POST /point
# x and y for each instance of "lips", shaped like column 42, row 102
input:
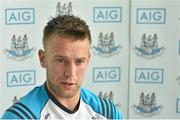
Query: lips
column 67, row 83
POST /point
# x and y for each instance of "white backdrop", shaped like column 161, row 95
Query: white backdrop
column 138, row 69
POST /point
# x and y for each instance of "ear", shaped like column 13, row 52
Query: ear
column 89, row 56
column 42, row 59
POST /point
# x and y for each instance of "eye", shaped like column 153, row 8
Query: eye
column 62, row 61
column 80, row 61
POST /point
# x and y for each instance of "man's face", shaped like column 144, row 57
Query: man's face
column 65, row 62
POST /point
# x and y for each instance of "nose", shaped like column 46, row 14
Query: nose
column 70, row 70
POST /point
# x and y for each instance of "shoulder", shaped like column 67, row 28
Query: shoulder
column 29, row 106
column 104, row 107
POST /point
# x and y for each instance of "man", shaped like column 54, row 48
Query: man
column 66, row 55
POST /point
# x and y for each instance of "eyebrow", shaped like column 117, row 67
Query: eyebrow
column 64, row 57
column 60, row 56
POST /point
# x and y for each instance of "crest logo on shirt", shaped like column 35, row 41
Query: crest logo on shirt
column 106, row 45
column 15, row 99
column 149, row 47
column 93, row 118
column 20, row 49
column 109, row 96
column 46, row 116
column 63, row 9
column 147, row 106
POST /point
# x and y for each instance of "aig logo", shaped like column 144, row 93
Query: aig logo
column 107, row 14
column 20, row 78
column 149, row 75
column 19, row 16
column 178, row 105
column 151, row 16
column 109, row 74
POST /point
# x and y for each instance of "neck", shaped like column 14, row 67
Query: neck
column 70, row 103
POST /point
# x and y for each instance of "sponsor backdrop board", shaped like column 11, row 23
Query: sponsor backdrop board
column 0, row 60
column 135, row 51
column 154, row 89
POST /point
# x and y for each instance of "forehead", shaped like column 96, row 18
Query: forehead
column 64, row 40
column 71, row 39
column 66, row 44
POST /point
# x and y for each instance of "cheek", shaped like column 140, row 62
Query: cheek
column 81, row 71
column 54, row 69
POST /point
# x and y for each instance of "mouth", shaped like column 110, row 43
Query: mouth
column 67, row 83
